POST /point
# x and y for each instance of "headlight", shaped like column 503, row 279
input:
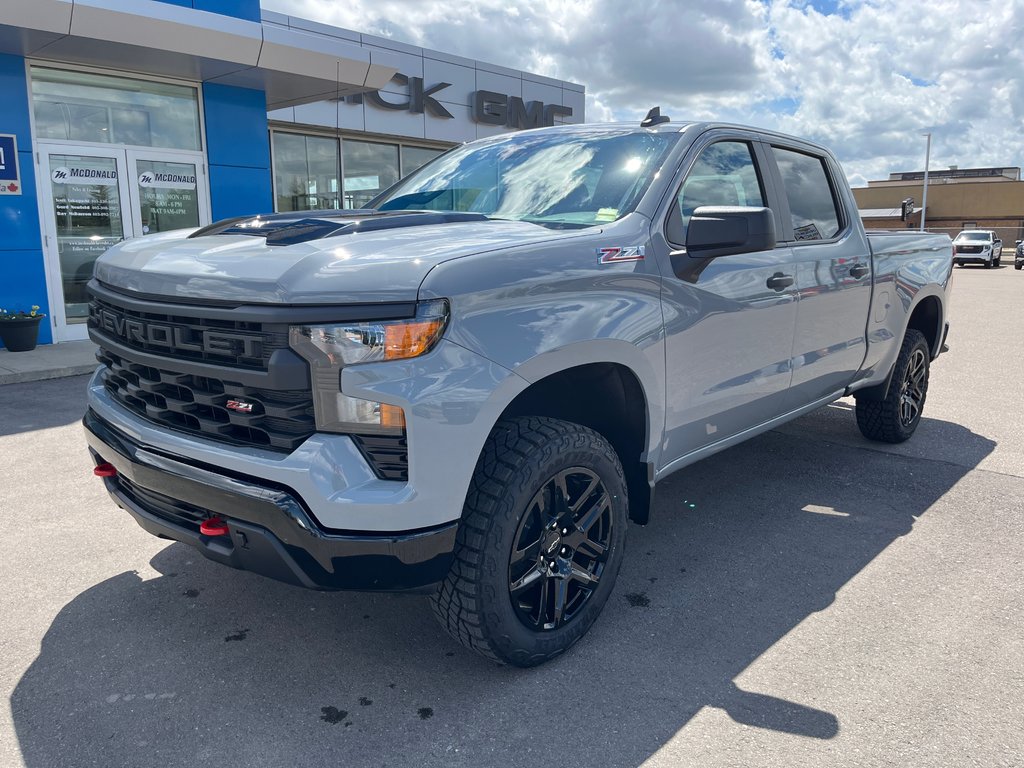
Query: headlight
column 329, row 348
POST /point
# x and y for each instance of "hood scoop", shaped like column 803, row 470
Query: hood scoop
column 300, row 227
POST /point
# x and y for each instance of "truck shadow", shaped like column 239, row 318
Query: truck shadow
column 20, row 411
column 203, row 665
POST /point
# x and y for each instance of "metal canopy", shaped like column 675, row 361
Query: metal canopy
column 155, row 38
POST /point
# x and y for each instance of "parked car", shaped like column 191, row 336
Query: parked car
column 1018, row 259
column 473, row 385
column 978, row 246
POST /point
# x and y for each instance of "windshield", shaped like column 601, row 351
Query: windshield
column 555, row 179
column 974, row 237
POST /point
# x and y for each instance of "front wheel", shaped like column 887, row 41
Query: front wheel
column 894, row 419
column 540, row 542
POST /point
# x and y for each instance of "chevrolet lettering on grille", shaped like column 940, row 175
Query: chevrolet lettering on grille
column 176, row 338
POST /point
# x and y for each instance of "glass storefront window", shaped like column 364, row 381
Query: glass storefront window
column 305, row 172
column 369, row 169
column 82, row 106
column 417, row 157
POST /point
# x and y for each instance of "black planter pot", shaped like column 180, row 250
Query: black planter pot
column 20, row 335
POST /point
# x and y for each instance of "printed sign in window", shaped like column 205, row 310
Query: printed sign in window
column 167, row 196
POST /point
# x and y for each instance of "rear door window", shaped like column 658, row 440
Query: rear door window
column 812, row 203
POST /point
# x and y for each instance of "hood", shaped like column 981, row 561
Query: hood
column 382, row 265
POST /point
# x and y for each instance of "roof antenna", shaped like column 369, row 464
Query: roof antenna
column 654, row 117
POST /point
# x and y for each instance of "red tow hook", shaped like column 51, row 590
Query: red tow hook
column 105, row 470
column 213, row 526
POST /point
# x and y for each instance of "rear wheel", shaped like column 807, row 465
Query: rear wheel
column 540, row 542
column 895, row 418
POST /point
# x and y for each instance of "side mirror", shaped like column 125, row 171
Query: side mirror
column 727, row 230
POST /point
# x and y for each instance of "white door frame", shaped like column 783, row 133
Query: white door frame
column 197, row 159
column 62, row 330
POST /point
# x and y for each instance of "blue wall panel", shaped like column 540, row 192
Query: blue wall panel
column 24, row 284
column 239, row 191
column 22, row 275
column 238, row 150
column 19, row 216
column 14, row 91
column 240, row 9
column 236, row 126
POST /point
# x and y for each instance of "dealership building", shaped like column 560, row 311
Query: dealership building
column 122, row 118
column 958, row 198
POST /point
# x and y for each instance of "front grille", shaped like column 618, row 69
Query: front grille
column 279, row 420
column 969, row 249
column 232, row 343
column 216, row 407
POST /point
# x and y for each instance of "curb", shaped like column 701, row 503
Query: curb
column 20, row 377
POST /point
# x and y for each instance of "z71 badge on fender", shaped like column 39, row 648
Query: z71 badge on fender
column 613, row 254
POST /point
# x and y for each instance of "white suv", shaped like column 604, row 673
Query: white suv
column 978, row 246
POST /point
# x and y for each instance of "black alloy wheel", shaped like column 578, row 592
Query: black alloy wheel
column 541, row 540
column 913, row 388
column 560, row 549
column 894, row 418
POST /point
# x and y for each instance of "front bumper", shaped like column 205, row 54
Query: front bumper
column 973, row 259
column 270, row 531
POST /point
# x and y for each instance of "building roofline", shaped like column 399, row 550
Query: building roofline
column 147, row 37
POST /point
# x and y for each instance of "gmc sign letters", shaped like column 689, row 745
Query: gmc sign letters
column 488, row 107
column 498, row 109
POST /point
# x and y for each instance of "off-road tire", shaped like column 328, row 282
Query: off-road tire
column 474, row 603
column 881, row 420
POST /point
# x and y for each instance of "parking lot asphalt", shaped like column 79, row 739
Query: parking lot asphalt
column 804, row 599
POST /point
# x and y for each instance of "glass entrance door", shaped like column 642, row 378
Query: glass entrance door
column 167, row 191
column 96, row 197
column 87, row 192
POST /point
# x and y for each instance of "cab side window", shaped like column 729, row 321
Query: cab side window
column 724, row 174
column 812, row 203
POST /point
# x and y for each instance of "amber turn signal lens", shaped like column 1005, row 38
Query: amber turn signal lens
column 411, row 339
column 392, row 416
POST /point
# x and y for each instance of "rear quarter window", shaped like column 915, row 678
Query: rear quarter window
column 812, row 202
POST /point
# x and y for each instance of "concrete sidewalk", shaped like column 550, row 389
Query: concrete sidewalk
column 50, row 361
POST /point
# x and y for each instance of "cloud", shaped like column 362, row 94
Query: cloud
column 865, row 77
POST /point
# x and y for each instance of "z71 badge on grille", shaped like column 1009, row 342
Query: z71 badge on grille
column 239, row 405
column 613, row 254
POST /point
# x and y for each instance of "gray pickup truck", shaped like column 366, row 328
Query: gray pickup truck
column 471, row 387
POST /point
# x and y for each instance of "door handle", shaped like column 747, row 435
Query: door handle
column 778, row 281
column 857, row 271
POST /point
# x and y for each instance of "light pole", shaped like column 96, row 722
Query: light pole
column 924, row 197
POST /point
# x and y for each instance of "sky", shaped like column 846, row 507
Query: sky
column 867, row 78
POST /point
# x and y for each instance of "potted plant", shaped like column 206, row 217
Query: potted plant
column 19, row 331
